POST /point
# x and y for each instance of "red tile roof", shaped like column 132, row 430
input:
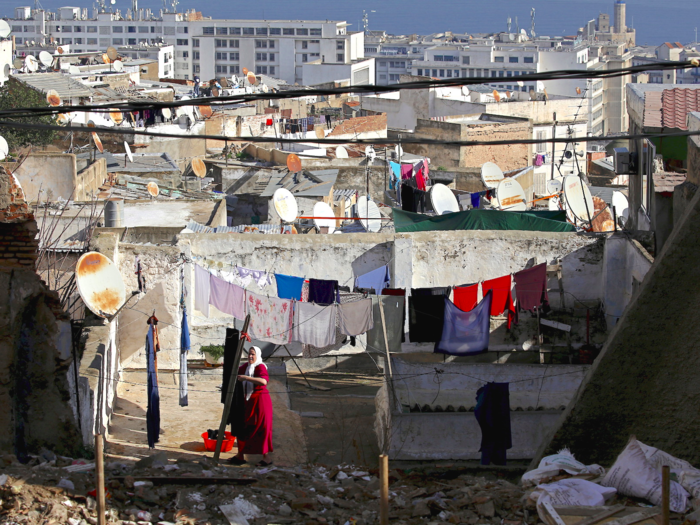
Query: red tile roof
column 676, row 104
column 352, row 103
column 360, row 125
column 652, row 109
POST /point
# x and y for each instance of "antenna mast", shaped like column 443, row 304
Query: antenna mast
column 532, row 27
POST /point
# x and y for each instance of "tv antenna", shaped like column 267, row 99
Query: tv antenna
column 532, row 27
column 365, row 20
column 508, row 23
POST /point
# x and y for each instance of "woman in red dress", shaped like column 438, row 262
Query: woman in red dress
column 257, row 437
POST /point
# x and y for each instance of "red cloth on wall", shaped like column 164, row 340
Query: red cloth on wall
column 465, row 297
column 502, row 298
column 531, row 287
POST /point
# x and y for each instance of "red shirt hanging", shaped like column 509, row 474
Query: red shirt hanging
column 466, row 297
column 502, row 298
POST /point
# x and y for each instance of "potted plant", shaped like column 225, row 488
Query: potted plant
column 213, row 354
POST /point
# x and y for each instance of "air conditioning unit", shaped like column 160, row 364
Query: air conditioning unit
column 621, row 161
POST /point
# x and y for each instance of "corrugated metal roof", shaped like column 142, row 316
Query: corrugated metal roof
column 65, row 86
column 302, row 184
column 603, row 192
column 349, row 193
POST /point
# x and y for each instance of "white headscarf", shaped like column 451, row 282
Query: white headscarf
column 250, row 372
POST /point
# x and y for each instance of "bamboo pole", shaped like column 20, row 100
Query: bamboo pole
column 384, row 490
column 100, row 479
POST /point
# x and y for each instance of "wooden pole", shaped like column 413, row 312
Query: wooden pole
column 100, row 479
column 665, row 494
column 384, row 490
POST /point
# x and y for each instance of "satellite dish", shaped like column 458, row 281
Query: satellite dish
column 510, row 196
column 496, row 96
column 399, row 151
column 443, row 200
column 533, row 95
column 60, row 50
column 100, row 284
column 251, row 78
column 554, row 204
column 285, row 205
column 116, row 116
column 319, row 133
column 167, row 114
column 554, row 186
column 370, row 153
column 199, row 168
column 4, row 148
column 491, row 174
column 62, row 119
column 45, row 58
column 118, row 65
column 265, row 89
column 53, row 98
column 106, row 59
column 621, row 205
column 578, row 90
column 368, row 211
column 5, row 29
column 341, row 153
column 90, row 123
column 321, row 209
column 18, row 63
column 508, row 94
column 579, row 203
column 112, row 53
column 153, row 189
column 31, row 63
column 293, row 163
column 521, row 83
column 98, row 142
column 245, row 70
column 127, row 149
column 205, row 111
column 7, row 70
column 74, row 70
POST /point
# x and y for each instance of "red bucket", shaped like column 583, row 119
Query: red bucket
column 226, row 445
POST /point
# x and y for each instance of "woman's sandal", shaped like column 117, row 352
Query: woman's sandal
column 263, row 463
column 236, row 461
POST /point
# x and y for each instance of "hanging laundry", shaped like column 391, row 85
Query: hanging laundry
column 406, row 171
column 270, row 318
column 531, row 288
column 288, row 286
column 395, row 169
column 426, row 314
column 539, row 160
column 323, row 292
column 220, row 295
column 139, row 275
column 314, row 324
column 476, row 200
column 152, row 394
column 493, row 414
column 420, row 181
column 502, row 297
column 426, row 170
column 394, row 311
column 340, row 339
column 401, row 293
column 201, row 290
column 184, row 350
column 466, row 297
column 305, row 291
column 412, row 199
column 355, row 318
column 268, row 122
column 465, row 333
column 246, row 275
column 376, row 279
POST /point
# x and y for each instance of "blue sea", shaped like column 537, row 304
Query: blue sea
column 654, row 20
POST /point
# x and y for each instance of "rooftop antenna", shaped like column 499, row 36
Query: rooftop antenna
column 517, row 27
column 508, row 23
column 532, row 27
column 365, row 20
column 134, row 7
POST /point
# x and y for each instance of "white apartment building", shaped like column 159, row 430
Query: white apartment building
column 205, row 47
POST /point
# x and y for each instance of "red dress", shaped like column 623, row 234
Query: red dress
column 258, row 416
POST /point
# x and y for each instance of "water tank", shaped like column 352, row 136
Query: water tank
column 114, row 213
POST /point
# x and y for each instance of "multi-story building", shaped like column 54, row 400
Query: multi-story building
column 205, row 47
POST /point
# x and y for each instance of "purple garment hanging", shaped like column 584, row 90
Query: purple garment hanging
column 465, row 333
column 406, row 171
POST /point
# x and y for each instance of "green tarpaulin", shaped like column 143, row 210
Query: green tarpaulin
column 537, row 221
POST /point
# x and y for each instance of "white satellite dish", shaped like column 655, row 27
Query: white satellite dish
column 553, row 204
column 5, row 29
column 7, row 70
column 621, row 205
column 368, row 211
column 31, row 63
column 579, row 203
column 167, row 114
column 100, row 284
column 128, row 151
column 399, row 151
column 118, row 65
column 285, row 205
column 321, row 209
column 491, row 174
column 341, row 153
column 554, row 186
column 74, row 70
column 45, row 58
column 370, row 153
column 4, row 148
column 510, row 196
column 443, row 200
column 265, row 89
column 521, row 83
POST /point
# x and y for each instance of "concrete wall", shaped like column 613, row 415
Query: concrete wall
column 58, row 181
column 89, row 180
column 181, row 150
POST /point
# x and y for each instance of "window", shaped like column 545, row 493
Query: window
column 394, row 78
column 233, row 43
column 196, row 68
column 304, row 44
column 516, row 73
column 501, row 74
column 420, row 72
column 180, row 29
column 456, row 72
column 92, row 41
column 261, row 44
column 248, row 30
column 287, row 31
column 66, row 41
column 513, row 60
column 93, row 29
column 498, row 59
column 222, row 30
column 195, row 55
column 234, row 56
column 66, row 29
column 78, row 29
column 79, row 41
column 261, row 70
column 271, row 44
column 261, row 31
column 449, row 73
column 143, row 29
column 493, row 73
column 466, row 60
column 261, row 57
column 442, row 73
column 208, row 30
column 597, row 100
column 275, row 31
column 221, row 43
column 382, row 77
column 302, row 32
column 235, row 69
column 221, row 56
column 221, row 69
column 16, row 29
column 131, row 29
column 272, row 57
column 272, row 70
column 129, row 41
column 18, row 40
column 340, row 45
column 115, row 29
column 185, row 54
column 340, row 57
column 541, row 146
column 234, row 31
column 529, row 60
column 509, row 73
column 304, row 57
column 115, row 41
column 182, row 42
column 195, row 42
column 168, row 30
column 597, row 85
column 315, row 32
column 439, row 58
column 434, row 72
column 143, row 41
column 104, row 30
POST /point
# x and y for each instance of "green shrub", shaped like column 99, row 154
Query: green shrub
column 215, row 351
